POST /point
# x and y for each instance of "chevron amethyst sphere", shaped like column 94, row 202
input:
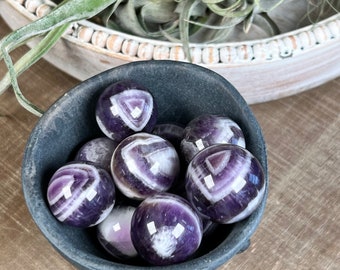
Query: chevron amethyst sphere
column 81, row 194
column 209, row 129
column 225, row 183
column 124, row 108
column 174, row 133
column 98, row 150
column 144, row 164
column 114, row 233
column 165, row 229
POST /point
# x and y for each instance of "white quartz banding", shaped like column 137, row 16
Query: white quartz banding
column 130, row 105
column 73, row 204
column 217, row 191
column 165, row 153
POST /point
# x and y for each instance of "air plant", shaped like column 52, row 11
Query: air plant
column 185, row 21
column 188, row 21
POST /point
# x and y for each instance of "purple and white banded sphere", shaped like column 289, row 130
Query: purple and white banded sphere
column 98, row 151
column 209, row 129
column 225, row 183
column 166, row 229
column 81, row 194
column 114, row 233
column 124, row 108
column 144, row 164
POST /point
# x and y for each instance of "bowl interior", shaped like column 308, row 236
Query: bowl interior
column 182, row 91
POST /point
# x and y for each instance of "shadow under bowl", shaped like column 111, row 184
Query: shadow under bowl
column 182, row 91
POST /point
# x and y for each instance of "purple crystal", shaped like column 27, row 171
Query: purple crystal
column 206, row 130
column 171, row 132
column 80, row 194
column 144, row 164
column 225, row 183
column 114, row 233
column 165, row 229
column 98, row 151
column 125, row 108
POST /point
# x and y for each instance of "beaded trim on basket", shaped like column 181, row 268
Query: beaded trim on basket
column 255, row 51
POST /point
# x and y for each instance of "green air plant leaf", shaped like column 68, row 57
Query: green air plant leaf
column 107, row 13
column 159, row 18
column 127, row 19
column 248, row 21
column 66, row 12
column 158, row 12
column 234, row 9
column 267, row 5
column 25, row 62
column 263, row 21
column 317, row 9
column 216, row 29
column 33, row 55
column 184, row 25
column 267, row 24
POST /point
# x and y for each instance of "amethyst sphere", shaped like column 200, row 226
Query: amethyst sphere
column 209, row 129
column 114, row 233
column 98, row 150
column 166, row 229
column 174, row 133
column 80, row 194
column 225, row 183
column 124, row 108
column 144, row 164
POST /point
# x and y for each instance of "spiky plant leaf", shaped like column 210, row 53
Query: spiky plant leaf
column 127, row 19
column 150, row 12
column 267, row 5
column 107, row 13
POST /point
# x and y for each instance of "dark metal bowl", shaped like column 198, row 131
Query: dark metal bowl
column 182, row 92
